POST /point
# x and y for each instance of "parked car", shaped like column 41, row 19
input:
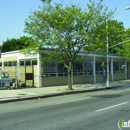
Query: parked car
column 4, row 79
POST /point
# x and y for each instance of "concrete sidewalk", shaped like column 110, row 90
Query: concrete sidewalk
column 33, row 93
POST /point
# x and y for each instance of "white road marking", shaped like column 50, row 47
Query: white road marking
column 111, row 107
column 73, row 100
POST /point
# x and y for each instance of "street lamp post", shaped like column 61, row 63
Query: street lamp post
column 107, row 46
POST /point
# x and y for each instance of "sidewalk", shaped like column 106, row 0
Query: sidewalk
column 35, row 93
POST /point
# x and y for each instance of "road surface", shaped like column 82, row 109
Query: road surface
column 100, row 110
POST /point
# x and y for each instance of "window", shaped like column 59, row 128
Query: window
column 34, row 62
column 52, row 66
column 61, row 69
column 118, row 67
column 22, row 63
column 10, row 63
column 27, row 62
column 122, row 67
column 14, row 63
column 5, row 63
column 0, row 64
column 50, row 69
column 88, row 67
column 78, row 68
column 99, row 67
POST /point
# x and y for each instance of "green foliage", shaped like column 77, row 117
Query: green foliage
column 66, row 30
column 16, row 44
column 46, row 1
column 115, row 34
column 124, row 49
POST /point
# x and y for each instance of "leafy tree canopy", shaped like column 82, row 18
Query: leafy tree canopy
column 124, row 47
column 66, row 29
column 16, row 44
column 115, row 32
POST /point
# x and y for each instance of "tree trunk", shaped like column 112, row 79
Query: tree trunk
column 69, row 76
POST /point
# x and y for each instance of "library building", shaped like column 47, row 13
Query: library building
column 30, row 70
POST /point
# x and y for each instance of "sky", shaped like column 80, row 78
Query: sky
column 14, row 12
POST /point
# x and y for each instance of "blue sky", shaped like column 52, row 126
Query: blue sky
column 14, row 12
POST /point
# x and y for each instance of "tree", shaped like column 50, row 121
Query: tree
column 116, row 34
column 124, row 49
column 66, row 30
column 16, row 44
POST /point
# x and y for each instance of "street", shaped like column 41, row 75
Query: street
column 99, row 110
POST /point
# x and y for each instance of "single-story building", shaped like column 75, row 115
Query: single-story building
column 31, row 71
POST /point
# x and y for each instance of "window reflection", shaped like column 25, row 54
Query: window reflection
column 99, row 67
column 118, row 67
column 49, row 69
column 88, row 67
column 80, row 68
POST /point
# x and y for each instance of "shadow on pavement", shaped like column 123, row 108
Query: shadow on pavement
column 107, row 96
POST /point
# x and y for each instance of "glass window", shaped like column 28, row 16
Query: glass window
column 10, row 63
column 88, row 67
column 34, row 62
column 61, row 69
column 28, row 62
column 78, row 68
column 0, row 64
column 45, row 67
column 5, row 63
column 118, row 67
column 49, row 69
column 14, row 63
column 122, row 67
column 21, row 63
column 52, row 66
column 99, row 67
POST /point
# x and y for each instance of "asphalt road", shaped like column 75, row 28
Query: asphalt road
column 100, row 110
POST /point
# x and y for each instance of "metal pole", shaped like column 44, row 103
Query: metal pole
column 16, row 76
column 107, row 45
column 107, row 48
column 72, row 80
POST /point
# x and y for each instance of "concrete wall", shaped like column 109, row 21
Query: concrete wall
column 10, row 58
column 83, row 79
column 119, row 76
column 57, row 81
column 54, row 81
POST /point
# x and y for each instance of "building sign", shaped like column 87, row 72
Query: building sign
column 28, row 56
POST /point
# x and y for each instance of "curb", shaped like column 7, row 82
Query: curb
column 15, row 99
